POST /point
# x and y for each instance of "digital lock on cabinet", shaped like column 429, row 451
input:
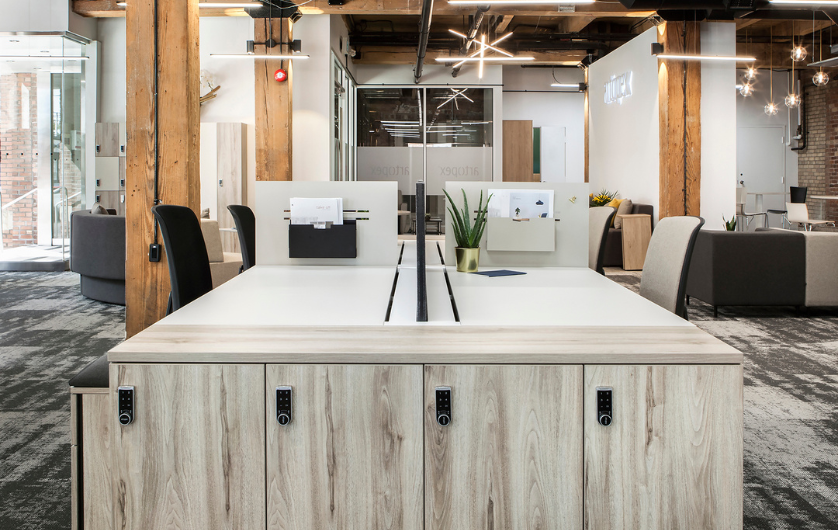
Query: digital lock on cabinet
column 443, row 405
column 604, row 406
column 283, row 405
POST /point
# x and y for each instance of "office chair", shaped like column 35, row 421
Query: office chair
column 797, row 196
column 599, row 221
column 667, row 264
column 186, row 252
column 246, row 227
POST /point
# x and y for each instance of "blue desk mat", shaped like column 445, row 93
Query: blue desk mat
column 502, row 272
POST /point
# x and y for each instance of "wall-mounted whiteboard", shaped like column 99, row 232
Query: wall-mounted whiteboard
column 377, row 237
column 570, row 218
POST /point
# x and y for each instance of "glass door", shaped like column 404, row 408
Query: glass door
column 343, row 117
column 42, row 140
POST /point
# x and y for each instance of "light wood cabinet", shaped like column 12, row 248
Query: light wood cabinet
column 352, row 455
column 672, row 458
column 518, row 151
column 91, row 473
column 108, row 139
column 512, row 455
column 232, row 178
column 194, row 457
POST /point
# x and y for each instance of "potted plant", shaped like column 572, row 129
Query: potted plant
column 730, row 226
column 467, row 235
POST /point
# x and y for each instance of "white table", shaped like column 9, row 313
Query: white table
column 823, row 204
column 759, row 201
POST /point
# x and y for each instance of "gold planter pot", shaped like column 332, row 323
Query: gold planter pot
column 467, row 259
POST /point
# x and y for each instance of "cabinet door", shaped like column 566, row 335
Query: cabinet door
column 351, row 457
column 511, row 457
column 107, row 139
column 194, row 456
column 672, row 456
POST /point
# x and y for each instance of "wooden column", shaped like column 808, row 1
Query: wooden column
column 273, row 102
column 177, row 152
column 679, row 84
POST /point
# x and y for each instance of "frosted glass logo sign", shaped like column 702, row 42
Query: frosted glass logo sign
column 618, row 88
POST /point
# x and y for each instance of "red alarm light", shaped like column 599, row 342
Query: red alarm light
column 280, row 75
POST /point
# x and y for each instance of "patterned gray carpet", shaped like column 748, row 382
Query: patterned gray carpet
column 48, row 332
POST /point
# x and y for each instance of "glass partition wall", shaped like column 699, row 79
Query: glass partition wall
column 42, row 144
column 435, row 134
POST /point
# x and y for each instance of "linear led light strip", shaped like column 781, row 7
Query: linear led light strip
column 255, row 56
column 686, row 57
column 803, row 2
column 518, row 2
column 218, row 5
column 487, row 59
column 456, row 93
column 566, row 85
column 484, row 45
column 475, row 54
column 43, row 57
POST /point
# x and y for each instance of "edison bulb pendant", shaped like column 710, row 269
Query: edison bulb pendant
column 821, row 78
column 750, row 73
column 771, row 109
column 792, row 101
column 747, row 90
column 798, row 53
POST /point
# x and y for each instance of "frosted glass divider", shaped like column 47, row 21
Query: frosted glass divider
column 570, row 207
column 377, row 238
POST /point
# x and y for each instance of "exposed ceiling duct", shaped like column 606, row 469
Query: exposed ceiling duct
column 474, row 27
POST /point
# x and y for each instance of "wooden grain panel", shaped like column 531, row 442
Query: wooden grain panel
column 97, row 417
column 352, row 456
column 637, row 232
column 273, row 102
column 679, row 84
column 107, row 139
column 232, row 173
column 517, row 151
column 512, row 455
column 194, row 457
column 147, row 284
column 418, row 345
column 672, row 458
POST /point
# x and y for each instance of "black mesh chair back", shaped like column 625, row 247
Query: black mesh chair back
column 186, row 252
column 798, row 194
column 246, row 227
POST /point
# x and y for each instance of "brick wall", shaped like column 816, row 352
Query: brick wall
column 818, row 163
column 18, row 158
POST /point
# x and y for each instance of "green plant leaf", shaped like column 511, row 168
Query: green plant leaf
column 466, row 216
column 459, row 226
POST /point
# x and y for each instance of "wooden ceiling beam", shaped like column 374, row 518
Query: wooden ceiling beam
column 407, row 55
column 575, row 24
column 108, row 8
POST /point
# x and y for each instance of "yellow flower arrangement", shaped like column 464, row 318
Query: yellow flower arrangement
column 602, row 198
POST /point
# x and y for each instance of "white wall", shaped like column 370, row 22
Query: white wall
column 311, row 100
column 235, row 101
column 112, row 70
column 718, row 125
column 339, row 41
column 623, row 137
column 527, row 95
column 768, row 137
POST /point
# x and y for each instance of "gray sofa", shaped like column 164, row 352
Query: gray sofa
column 614, row 240
column 97, row 254
column 763, row 268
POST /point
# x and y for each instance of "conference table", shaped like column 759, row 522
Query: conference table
column 552, row 399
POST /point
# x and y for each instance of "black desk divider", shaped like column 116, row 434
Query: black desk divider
column 336, row 241
column 421, row 286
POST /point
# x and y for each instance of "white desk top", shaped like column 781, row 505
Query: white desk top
column 553, row 297
column 275, row 295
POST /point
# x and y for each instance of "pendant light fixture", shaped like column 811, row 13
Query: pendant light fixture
column 747, row 89
column 821, row 78
column 771, row 108
column 798, row 52
column 792, row 101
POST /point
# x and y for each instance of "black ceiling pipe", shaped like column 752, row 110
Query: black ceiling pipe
column 424, row 33
column 476, row 20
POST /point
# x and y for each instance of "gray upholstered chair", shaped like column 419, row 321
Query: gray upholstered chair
column 599, row 221
column 97, row 254
column 667, row 264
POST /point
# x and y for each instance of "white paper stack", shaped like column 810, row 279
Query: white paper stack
column 316, row 211
column 521, row 204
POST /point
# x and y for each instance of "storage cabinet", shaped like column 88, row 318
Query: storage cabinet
column 364, row 450
column 511, row 456
column 110, row 139
column 110, row 166
column 224, row 175
column 672, row 456
column 352, row 455
column 194, row 456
